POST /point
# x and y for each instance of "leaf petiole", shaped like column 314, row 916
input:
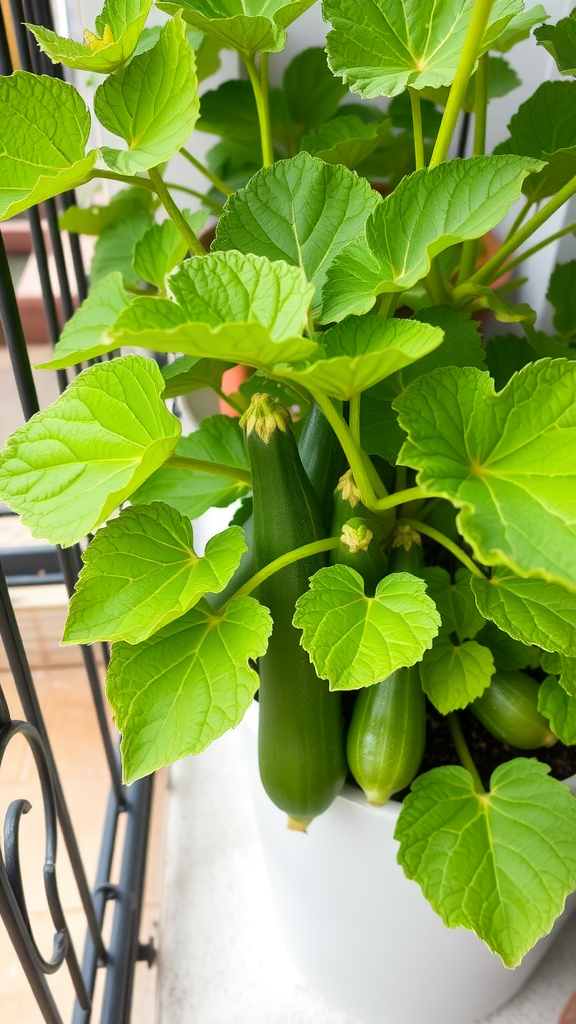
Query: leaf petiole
column 417, row 128
column 463, row 752
column 207, row 173
column 532, row 252
column 399, row 498
column 261, row 97
column 351, row 451
column 242, row 476
column 317, row 547
column 440, row 538
column 470, row 247
column 195, row 246
column 127, row 179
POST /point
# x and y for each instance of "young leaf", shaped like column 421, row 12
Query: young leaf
column 500, row 863
column 82, row 336
column 519, row 28
column 462, row 346
column 454, row 601
column 427, row 213
column 45, row 129
column 188, row 373
column 176, row 692
column 114, row 249
column 162, row 248
column 559, row 708
column 345, row 140
column 152, row 103
column 509, row 655
column 355, row 354
column 506, row 460
column 562, row 296
column 93, row 220
column 302, row 210
column 544, row 127
column 73, row 463
column 249, row 27
column 354, row 640
column 453, row 675
column 118, row 29
column 141, row 572
column 479, row 296
column 191, row 492
column 379, row 47
column 311, row 91
column 560, row 41
column 532, row 611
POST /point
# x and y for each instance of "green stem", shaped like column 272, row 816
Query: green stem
column 469, row 256
column 352, row 453
column 401, row 478
column 195, row 246
column 230, row 401
column 519, row 219
column 260, row 95
column 207, row 173
column 354, row 418
column 486, row 273
column 468, row 58
column 306, row 551
column 399, row 498
column 535, row 248
column 387, row 304
column 417, row 128
column 530, row 332
column 463, row 752
column 211, row 203
column 241, row 476
column 436, row 284
column 440, row 538
column 127, row 179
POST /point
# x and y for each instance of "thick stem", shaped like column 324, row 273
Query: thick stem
column 214, row 206
column 440, row 538
column 306, row 551
column 386, row 305
column 417, row 128
column 352, row 453
column 535, row 248
column 399, row 498
column 354, row 418
column 436, row 284
column 469, row 255
column 127, row 179
column 242, row 476
column 261, row 95
column 195, row 246
column 521, row 217
column 463, row 753
column 207, row 173
column 468, row 58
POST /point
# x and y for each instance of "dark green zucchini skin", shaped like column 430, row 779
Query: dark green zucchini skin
column 301, row 743
column 508, row 708
column 359, row 548
column 387, row 735
column 322, row 458
column 406, row 553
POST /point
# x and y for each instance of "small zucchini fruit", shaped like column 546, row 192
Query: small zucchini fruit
column 387, row 735
column 301, row 742
column 359, row 548
column 509, row 710
column 406, row 553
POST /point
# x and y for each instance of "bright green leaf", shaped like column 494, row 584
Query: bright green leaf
column 345, row 140
column 519, row 28
column 189, row 373
column 509, row 655
column 176, row 692
column 559, row 708
column 118, row 29
column 560, row 41
column 73, row 463
column 500, row 863
column 312, row 93
column 562, row 296
column 219, row 439
column 379, row 47
column 141, row 571
column 93, row 220
column 45, row 129
column 114, row 249
column 354, row 640
column 506, row 460
column 453, row 675
column 462, row 346
column 454, row 601
column 81, row 338
column 481, row 297
column 360, row 351
column 249, row 26
column 163, row 247
column 302, row 210
column 152, row 103
column 231, row 112
column 428, row 212
column 532, row 611
column 568, row 674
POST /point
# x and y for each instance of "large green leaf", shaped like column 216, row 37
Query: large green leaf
column 532, row 611
column 45, row 129
column 506, row 460
column 379, row 47
column 176, row 692
column 544, row 127
column 151, row 103
column 189, row 373
column 509, row 655
column 427, row 213
column 301, row 210
column 73, row 463
column 559, row 708
column 454, row 601
column 453, row 675
column 560, row 41
column 141, row 572
column 462, row 346
column 311, row 91
column 355, row 354
column 114, row 249
column 82, row 336
column 345, row 140
column 561, row 295
column 118, row 29
column 219, row 439
column 500, row 863
column 519, row 28
column 354, row 640
column 249, row 26
column 163, row 247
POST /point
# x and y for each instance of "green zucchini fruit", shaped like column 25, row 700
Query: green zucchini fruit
column 301, row 745
column 387, row 735
column 359, row 548
column 406, row 553
column 322, row 458
column 509, row 710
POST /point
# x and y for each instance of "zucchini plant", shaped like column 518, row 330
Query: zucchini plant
column 412, row 532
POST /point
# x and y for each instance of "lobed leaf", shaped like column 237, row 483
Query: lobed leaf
column 559, row 708
column 162, row 247
column 118, row 29
column 531, row 610
column 453, row 675
column 189, row 373
column 519, row 28
column 345, row 140
column 114, row 249
column 560, row 41
column 509, row 655
column 249, row 26
column 454, row 601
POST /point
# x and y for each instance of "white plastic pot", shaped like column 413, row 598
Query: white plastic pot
column 360, row 932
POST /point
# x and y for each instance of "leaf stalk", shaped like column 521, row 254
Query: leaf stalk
column 441, row 538
column 241, row 476
column 463, row 752
column 317, row 547
column 216, row 181
column 261, row 97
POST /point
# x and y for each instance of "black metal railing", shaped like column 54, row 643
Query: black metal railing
column 117, row 957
